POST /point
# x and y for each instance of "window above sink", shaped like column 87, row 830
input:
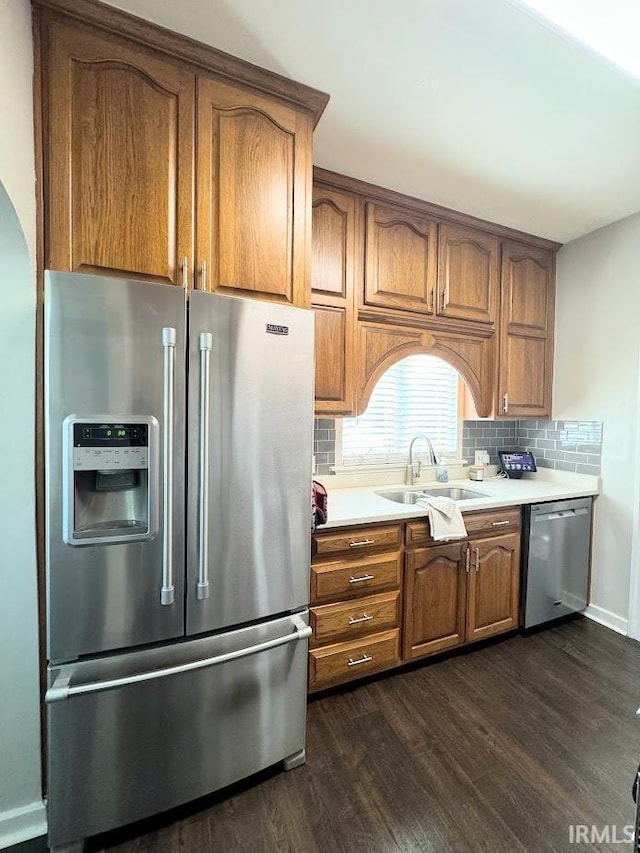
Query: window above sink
column 421, row 393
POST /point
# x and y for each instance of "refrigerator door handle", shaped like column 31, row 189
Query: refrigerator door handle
column 168, row 592
column 62, row 688
column 202, row 587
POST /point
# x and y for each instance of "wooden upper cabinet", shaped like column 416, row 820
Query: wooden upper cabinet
column 400, row 259
column 253, row 186
column 494, row 586
column 526, row 333
column 119, row 154
column 468, row 274
column 333, row 270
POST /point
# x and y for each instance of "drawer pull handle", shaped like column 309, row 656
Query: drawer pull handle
column 361, row 543
column 364, row 618
column 364, row 659
column 361, row 578
column 477, row 553
column 499, row 523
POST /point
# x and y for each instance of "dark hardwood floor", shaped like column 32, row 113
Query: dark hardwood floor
column 498, row 749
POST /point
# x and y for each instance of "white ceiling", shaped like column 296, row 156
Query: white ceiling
column 478, row 105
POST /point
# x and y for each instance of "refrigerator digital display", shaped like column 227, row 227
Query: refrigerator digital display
column 109, row 432
column 110, row 435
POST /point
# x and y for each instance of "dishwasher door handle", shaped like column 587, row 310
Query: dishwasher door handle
column 565, row 513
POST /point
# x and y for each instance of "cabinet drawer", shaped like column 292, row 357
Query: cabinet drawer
column 493, row 521
column 496, row 520
column 350, row 578
column 345, row 661
column 352, row 541
column 349, row 620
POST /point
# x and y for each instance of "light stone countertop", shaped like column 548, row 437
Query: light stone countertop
column 362, row 504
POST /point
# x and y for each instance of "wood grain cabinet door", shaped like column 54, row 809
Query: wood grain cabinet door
column 526, row 334
column 468, row 274
column 400, row 259
column 332, row 281
column 494, row 586
column 119, row 189
column 435, row 585
column 254, row 187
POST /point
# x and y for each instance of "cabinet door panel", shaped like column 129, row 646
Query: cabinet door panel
column 253, row 184
column 494, row 586
column 467, row 274
column 333, row 270
column 526, row 334
column 333, row 242
column 526, row 274
column 524, row 378
column 400, row 263
column 120, row 176
column 435, row 600
column 331, row 354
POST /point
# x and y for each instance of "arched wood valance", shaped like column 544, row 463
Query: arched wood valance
column 380, row 346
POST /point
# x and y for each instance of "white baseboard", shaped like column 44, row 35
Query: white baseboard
column 607, row 618
column 23, row 824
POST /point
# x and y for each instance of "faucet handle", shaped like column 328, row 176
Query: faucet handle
column 417, row 475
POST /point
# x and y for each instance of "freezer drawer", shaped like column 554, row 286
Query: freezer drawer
column 135, row 734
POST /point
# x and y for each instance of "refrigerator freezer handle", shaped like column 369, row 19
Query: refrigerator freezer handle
column 168, row 592
column 62, row 688
column 202, row 588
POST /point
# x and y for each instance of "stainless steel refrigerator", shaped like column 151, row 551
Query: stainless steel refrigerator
column 178, row 478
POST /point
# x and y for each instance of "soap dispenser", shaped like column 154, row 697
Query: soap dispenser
column 442, row 472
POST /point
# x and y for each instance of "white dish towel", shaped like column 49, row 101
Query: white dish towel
column 445, row 518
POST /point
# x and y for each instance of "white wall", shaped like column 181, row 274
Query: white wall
column 21, row 810
column 17, row 171
column 597, row 359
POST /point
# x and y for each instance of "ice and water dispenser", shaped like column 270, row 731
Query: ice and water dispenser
column 111, row 479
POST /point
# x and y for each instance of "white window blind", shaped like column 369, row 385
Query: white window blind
column 417, row 394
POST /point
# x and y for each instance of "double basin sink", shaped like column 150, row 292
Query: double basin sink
column 411, row 496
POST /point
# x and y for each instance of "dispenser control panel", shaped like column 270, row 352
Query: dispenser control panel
column 110, row 446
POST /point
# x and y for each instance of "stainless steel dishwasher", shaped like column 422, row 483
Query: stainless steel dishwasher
column 556, row 547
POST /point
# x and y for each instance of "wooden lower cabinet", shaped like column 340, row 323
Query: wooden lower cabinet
column 335, row 664
column 349, row 620
column 462, row 592
column 356, row 603
column 494, row 586
column 400, row 602
column 435, row 599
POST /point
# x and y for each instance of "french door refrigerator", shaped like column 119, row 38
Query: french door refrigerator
column 178, row 433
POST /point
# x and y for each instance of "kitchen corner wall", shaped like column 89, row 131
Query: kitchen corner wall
column 22, row 812
column 596, row 374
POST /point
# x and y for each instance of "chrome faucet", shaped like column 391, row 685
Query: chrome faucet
column 412, row 475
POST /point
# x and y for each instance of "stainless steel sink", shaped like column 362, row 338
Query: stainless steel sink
column 411, row 496
column 456, row 493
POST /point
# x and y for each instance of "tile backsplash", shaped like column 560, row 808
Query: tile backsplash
column 324, row 444
column 563, row 445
